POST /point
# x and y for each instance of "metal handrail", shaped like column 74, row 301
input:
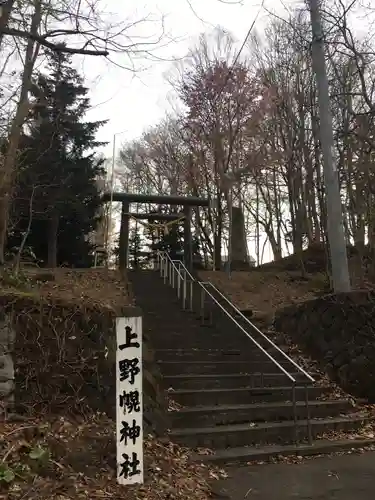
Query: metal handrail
column 246, row 333
column 164, row 259
column 299, row 368
column 173, row 262
column 202, row 285
column 185, row 269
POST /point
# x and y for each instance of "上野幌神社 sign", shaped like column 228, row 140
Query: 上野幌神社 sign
column 129, row 409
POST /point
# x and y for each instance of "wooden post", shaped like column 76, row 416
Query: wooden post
column 188, row 243
column 129, row 401
column 124, row 236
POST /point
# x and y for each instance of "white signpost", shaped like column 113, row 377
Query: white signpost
column 129, row 398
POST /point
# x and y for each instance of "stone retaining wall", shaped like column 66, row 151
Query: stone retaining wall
column 339, row 332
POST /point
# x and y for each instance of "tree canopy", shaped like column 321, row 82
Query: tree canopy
column 248, row 135
column 59, row 169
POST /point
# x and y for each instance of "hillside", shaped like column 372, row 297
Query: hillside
column 281, row 283
column 94, row 287
column 265, row 291
column 60, row 444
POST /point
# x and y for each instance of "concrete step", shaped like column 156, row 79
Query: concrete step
column 262, row 412
column 174, row 319
column 229, row 380
column 196, row 352
column 245, row 395
column 177, row 367
column 266, row 452
column 250, row 433
column 190, row 338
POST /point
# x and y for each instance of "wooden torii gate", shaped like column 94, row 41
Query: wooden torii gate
column 187, row 202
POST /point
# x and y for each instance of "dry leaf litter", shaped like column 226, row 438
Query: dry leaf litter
column 79, row 452
column 81, row 463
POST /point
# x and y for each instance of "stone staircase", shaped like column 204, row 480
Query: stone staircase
column 227, row 395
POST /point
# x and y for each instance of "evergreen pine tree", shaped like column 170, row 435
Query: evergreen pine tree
column 136, row 260
column 170, row 241
column 59, row 168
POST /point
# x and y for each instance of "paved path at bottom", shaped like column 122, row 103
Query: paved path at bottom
column 345, row 477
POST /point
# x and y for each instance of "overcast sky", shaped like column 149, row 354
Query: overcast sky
column 133, row 101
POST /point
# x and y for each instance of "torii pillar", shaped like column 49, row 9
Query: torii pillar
column 188, row 242
column 127, row 198
column 124, row 236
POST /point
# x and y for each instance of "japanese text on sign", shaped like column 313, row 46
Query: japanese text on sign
column 129, row 398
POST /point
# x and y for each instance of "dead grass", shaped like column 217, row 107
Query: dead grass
column 81, row 464
column 79, row 445
column 265, row 291
column 102, row 287
column 280, row 283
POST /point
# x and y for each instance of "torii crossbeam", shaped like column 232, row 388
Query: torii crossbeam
column 127, row 198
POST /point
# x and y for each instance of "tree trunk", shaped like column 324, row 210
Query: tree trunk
column 336, row 236
column 7, row 339
column 10, row 160
column 53, row 227
column 218, row 232
column 275, row 245
column 217, row 248
column 6, row 9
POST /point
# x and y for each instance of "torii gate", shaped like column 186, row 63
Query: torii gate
column 127, row 198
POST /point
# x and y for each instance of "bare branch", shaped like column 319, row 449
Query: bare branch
column 55, row 47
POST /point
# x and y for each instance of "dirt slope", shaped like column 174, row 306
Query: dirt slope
column 265, row 291
column 46, row 455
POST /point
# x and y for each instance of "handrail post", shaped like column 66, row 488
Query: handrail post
column 308, row 417
column 173, row 273
column 237, row 311
column 210, row 316
column 184, row 292
column 179, row 280
column 294, row 401
column 165, row 270
column 203, row 297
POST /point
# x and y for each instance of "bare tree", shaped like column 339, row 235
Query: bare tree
column 53, row 25
column 268, row 150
